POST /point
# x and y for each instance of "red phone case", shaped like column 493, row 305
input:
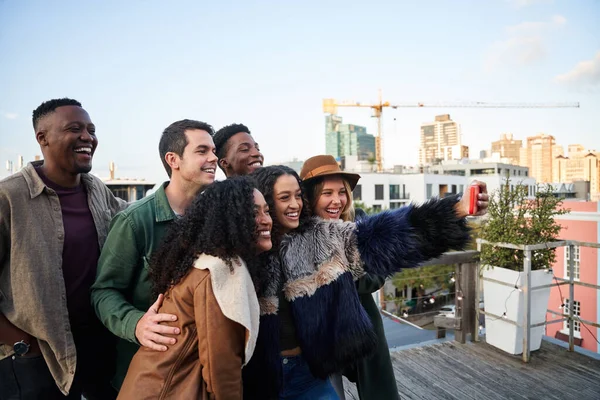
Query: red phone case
column 473, row 195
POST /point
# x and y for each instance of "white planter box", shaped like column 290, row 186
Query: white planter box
column 500, row 299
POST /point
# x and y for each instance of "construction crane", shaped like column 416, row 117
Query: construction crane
column 330, row 107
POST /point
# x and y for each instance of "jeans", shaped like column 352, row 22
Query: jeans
column 28, row 378
column 300, row 384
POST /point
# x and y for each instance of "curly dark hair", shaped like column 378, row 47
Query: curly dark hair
column 220, row 222
column 173, row 139
column 265, row 181
column 49, row 107
column 224, row 134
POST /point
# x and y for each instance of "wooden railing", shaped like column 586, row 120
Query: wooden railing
column 465, row 323
column 466, row 267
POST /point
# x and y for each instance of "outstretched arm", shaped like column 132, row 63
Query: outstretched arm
column 393, row 240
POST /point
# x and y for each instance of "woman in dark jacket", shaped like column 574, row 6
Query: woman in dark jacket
column 329, row 194
column 311, row 316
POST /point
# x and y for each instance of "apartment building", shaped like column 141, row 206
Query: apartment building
column 581, row 224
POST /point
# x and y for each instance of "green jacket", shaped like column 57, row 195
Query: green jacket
column 121, row 293
column 374, row 376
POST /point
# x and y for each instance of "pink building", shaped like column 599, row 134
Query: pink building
column 581, row 224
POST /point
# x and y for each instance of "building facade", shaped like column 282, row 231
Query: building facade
column 494, row 174
column 347, row 139
column 382, row 191
column 508, row 148
column 538, row 154
column 129, row 189
column 441, row 140
column 581, row 224
column 580, row 165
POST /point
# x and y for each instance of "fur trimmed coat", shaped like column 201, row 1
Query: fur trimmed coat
column 316, row 268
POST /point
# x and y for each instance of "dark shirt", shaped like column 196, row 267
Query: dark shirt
column 80, row 251
column 287, row 327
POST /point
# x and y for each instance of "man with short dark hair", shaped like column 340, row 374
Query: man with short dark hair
column 121, row 293
column 54, row 218
column 238, row 153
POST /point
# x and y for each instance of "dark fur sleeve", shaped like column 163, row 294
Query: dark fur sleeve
column 438, row 228
column 387, row 242
column 393, row 240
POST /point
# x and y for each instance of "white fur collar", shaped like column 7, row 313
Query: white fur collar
column 235, row 295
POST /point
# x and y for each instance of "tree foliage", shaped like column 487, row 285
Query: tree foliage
column 363, row 206
column 438, row 276
column 517, row 218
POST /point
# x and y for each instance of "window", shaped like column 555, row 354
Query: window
column 378, row 192
column 576, row 314
column 429, row 191
column 122, row 193
column 484, row 171
column 394, row 192
column 357, row 193
column 376, row 207
column 576, row 262
column 395, row 204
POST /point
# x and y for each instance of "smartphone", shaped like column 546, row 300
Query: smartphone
column 473, row 197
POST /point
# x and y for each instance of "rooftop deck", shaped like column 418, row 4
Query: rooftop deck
column 451, row 370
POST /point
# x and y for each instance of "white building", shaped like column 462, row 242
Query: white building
column 390, row 191
column 493, row 173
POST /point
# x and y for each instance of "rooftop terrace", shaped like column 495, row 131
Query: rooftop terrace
column 451, row 370
column 464, row 366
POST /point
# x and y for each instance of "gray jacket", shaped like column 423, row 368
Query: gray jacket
column 32, row 288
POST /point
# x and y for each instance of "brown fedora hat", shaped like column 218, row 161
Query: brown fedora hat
column 324, row 165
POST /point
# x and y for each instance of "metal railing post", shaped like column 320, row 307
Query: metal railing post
column 571, row 296
column 477, row 295
column 527, row 297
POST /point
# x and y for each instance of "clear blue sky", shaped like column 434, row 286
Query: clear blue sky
column 139, row 65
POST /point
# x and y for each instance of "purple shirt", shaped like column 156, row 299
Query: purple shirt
column 80, row 251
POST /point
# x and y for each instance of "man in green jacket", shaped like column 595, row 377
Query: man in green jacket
column 121, row 293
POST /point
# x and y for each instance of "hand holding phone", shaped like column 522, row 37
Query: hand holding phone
column 473, row 197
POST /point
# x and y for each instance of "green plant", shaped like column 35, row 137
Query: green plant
column 363, row 206
column 517, row 218
column 422, row 278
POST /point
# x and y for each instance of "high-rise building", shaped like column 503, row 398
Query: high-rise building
column 347, row 139
column 580, row 165
column 508, row 148
column 440, row 140
column 538, row 155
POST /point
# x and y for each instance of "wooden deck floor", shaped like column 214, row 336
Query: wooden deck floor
column 478, row 371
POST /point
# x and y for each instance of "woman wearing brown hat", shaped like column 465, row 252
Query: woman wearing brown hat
column 312, row 324
column 329, row 194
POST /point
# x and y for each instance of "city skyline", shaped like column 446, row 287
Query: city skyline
column 269, row 67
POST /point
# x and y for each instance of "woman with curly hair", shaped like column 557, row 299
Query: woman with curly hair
column 312, row 324
column 201, row 270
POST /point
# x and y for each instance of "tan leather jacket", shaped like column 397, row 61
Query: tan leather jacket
column 218, row 314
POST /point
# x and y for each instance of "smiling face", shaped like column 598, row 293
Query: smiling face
column 243, row 155
column 68, row 140
column 333, row 199
column 197, row 165
column 287, row 198
column 264, row 223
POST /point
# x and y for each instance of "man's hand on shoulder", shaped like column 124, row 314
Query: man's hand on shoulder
column 150, row 333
